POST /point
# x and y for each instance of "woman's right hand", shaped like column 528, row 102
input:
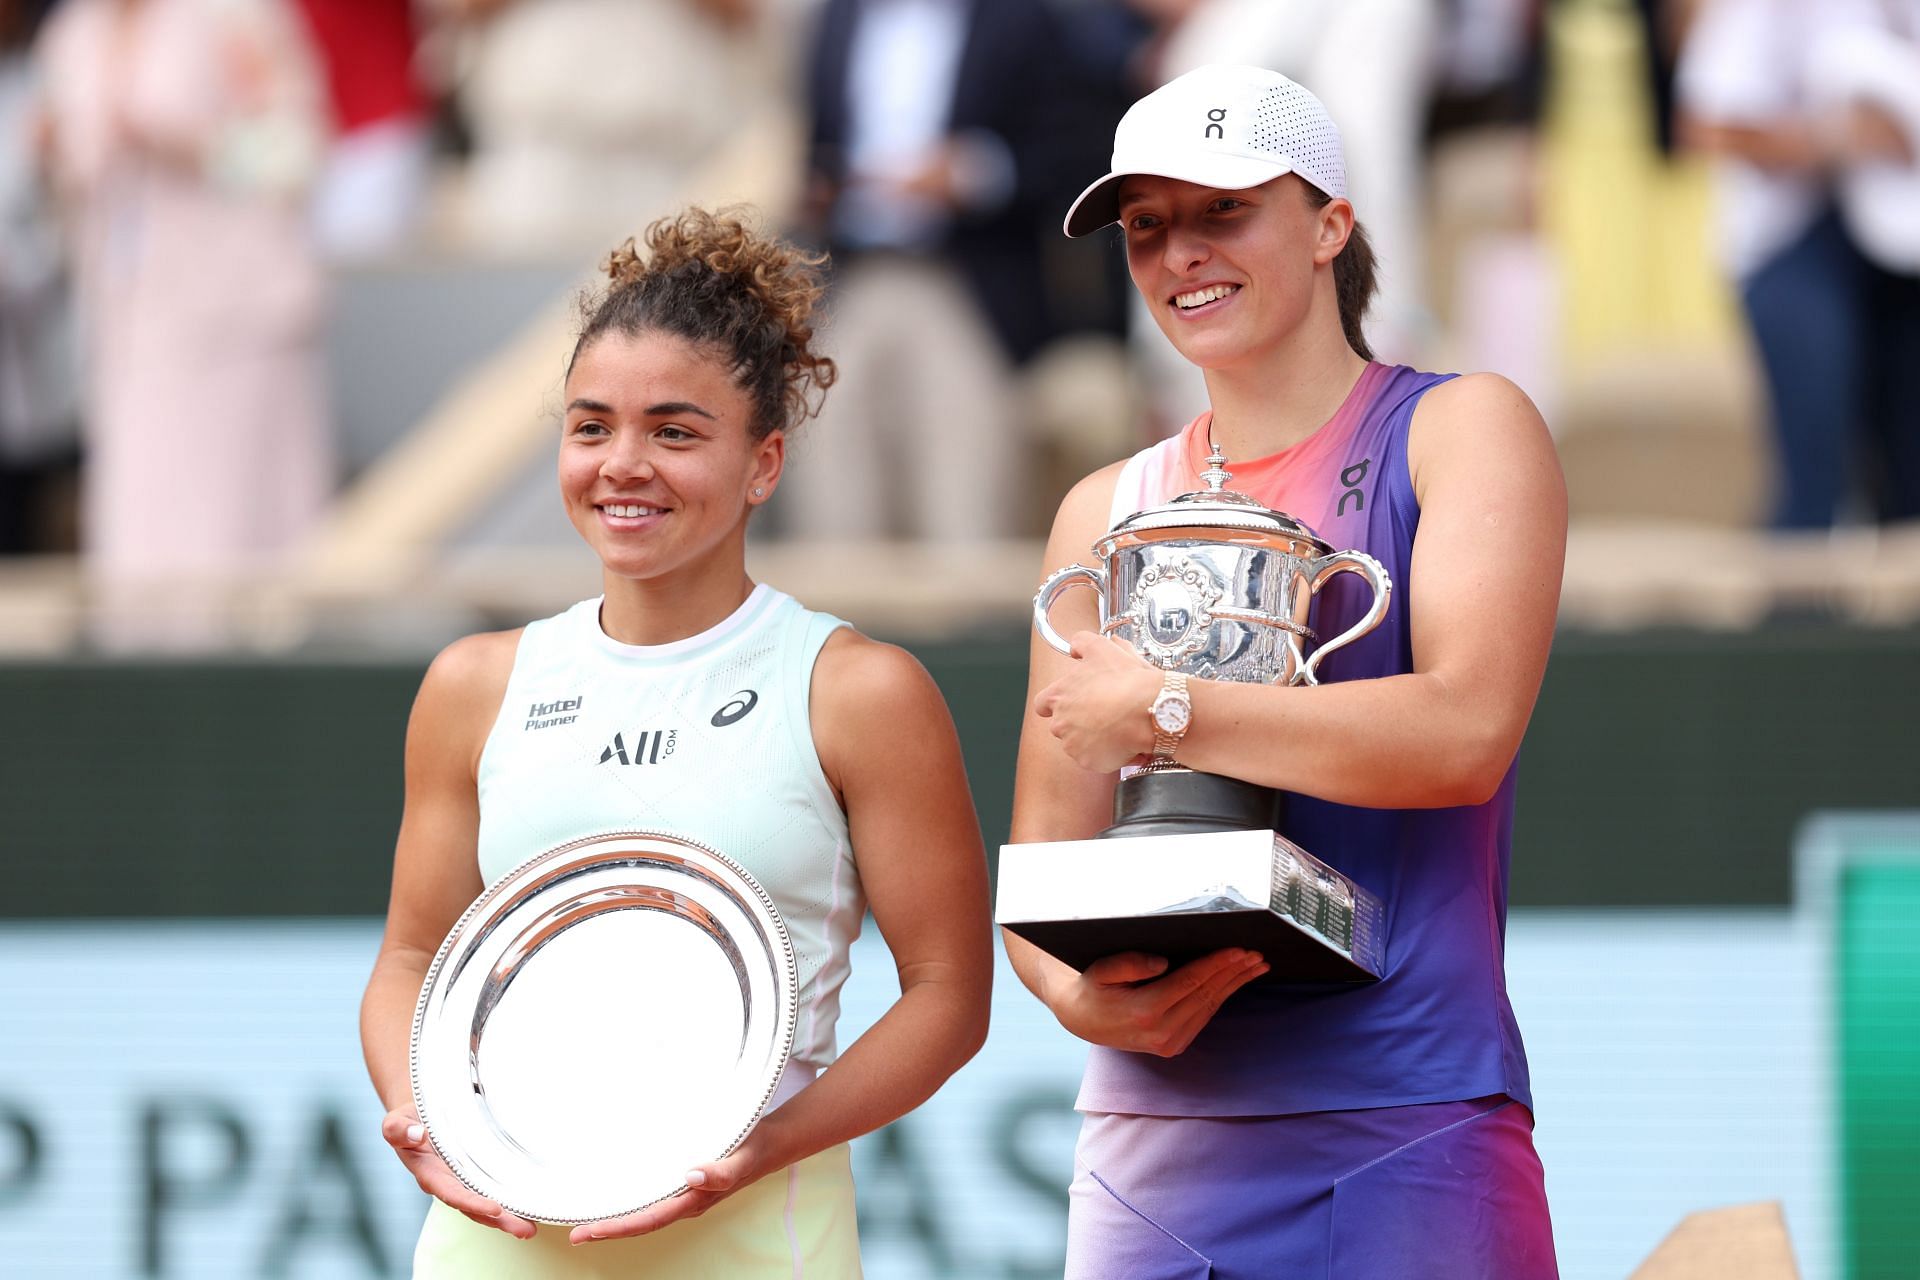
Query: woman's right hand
column 408, row 1137
column 1131, row 1001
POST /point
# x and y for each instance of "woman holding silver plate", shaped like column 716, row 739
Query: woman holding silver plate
column 688, row 699
column 1381, row 1129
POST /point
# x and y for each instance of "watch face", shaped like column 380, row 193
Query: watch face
column 1170, row 715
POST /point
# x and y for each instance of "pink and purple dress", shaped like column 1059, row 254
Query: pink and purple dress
column 1379, row 1131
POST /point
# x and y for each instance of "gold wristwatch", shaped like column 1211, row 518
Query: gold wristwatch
column 1171, row 713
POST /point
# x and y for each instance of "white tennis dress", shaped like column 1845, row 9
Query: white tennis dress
column 708, row 738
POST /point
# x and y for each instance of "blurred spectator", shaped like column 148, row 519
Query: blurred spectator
column 587, row 116
column 940, row 134
column 370, row 192
column 1813, row 108
column 1660, row 21
column 1374, row 64
column 182, row 134
column 37, row 438
column 1489, row 61
column 1491, row 279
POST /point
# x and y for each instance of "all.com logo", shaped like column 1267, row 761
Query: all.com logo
column 743, row 702
column 649, row 747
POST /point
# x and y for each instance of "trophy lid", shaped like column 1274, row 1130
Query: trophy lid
column 1218, row 507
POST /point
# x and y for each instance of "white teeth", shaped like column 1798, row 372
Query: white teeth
column 1200, row 297
column 628, row 509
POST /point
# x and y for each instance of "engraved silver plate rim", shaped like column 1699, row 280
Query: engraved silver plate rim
column 1163, row 524
column 621, row 842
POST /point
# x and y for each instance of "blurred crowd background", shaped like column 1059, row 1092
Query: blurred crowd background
column 287, row 289
column 285, row 284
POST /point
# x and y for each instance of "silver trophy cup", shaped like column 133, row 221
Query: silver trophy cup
column 1220, row 587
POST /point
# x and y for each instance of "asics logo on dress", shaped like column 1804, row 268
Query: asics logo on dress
column 743, row 702
column 545, row 715
column 650, row 746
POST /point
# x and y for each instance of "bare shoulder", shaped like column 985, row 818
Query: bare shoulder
column 474, row 665
column 1476, row 401
column 461, row 692
column 1085, row 513
column 874, row 710
column 1474, row 407
column 858, row 675
column 1475, row 420
column 1095, row 490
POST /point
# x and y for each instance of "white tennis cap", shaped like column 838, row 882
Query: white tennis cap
column 1218, row 126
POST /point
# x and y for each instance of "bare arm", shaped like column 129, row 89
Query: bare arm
column 1786, row 145
column 435, row 877
column 1121, row 1001
column 1485, row 588
column 891, row 751
column 1863, row 133
column 1486, row 584
column 888, row 745
column 1053, row 798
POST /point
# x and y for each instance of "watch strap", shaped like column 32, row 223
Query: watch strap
column 1165, row 744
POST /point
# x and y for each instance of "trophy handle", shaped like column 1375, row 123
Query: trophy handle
column 1050, row 590
column 1323, row 571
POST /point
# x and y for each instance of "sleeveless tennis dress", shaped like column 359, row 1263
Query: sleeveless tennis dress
column 1378, row 1131
column 707, row 738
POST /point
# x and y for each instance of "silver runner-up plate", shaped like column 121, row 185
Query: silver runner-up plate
column 604, row 1017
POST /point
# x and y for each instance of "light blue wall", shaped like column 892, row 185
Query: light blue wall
column 1678, row 1063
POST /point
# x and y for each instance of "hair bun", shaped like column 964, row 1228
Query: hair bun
column 711, row 276
column 625, row 265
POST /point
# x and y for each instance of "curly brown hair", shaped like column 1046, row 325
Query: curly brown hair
column 710, row 277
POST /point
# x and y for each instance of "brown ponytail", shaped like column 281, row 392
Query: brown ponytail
column 1355, row 277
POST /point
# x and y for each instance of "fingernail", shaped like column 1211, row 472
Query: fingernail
column 415, row 1132
column 696, row 1178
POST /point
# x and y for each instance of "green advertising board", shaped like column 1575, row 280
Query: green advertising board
column 1866, row 869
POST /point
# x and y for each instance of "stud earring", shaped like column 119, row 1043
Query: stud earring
column 759, row 493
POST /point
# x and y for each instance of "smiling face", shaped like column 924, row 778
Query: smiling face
column 1230, row 275
column 658, row 465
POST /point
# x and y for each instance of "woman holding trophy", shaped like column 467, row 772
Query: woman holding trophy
column 1259, row 1128
column 689, row 699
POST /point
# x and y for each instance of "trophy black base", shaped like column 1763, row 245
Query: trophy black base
column 1292, row 954
column 1184, row 895
column 1169, row 802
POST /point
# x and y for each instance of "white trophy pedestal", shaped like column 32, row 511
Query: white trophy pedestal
column 1182, row 896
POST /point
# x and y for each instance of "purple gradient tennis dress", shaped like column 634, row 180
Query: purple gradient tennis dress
column 1379, row 1131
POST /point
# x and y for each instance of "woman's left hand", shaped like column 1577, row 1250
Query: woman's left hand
column 1098, row 710
column 707, row 1185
